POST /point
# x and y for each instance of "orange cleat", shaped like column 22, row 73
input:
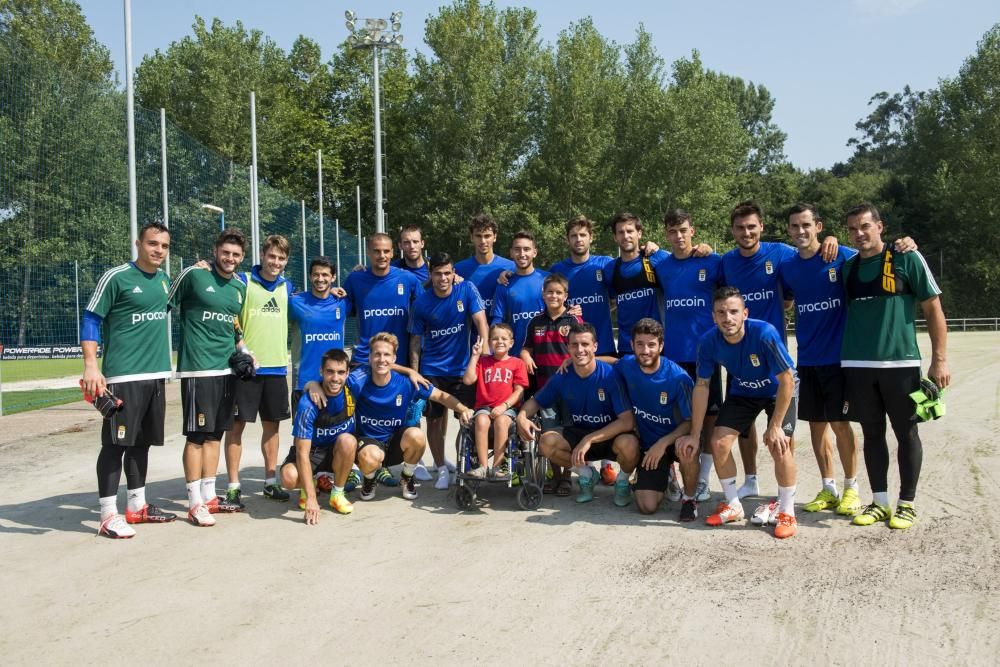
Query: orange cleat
column 786, row 526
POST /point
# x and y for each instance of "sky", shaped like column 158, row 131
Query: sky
column 822, row 60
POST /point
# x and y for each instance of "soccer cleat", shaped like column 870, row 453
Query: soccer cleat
column 623, row 493
column 702, row 492
column 825, row 499
column 232, row 499
column 725, row 513
column 765, row 513
column 586, row 489
column 673, row 488
column 409, row 487
column 872, row 514
column 116, row 527
column 149, row 514
column 749, row 488
column 368, row 488
column 443, row 479
column 689, row 510
column 608, row 474
column 904, row 517
column 275, row 492
column 340, row 504
column 385, row 478
column 200, row 516
column 850, row 503
column 353, row 480
column 785, row 525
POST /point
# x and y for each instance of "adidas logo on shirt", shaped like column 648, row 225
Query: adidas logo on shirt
column 271, row 307
column 209, row 289
column 136, row 290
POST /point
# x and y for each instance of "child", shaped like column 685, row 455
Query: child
column 545, row 349
column 500, row 382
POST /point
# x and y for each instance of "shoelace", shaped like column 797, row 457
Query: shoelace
column 906, row 512
column 876, row 511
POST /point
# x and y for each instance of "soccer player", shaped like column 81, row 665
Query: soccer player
column 881, row 359
column 484, row 267
column 265, row 330
column 210, row 304
column 324, row 441
column 382, row 398
column 442, row 321
column 631, row 278
column 660, row 393
column 521, row 299
column 128, row 312
column 688, row 282
column 411, row 253
column 318, row 317
column 763, row 379
column 602, row 421
column 381, row 295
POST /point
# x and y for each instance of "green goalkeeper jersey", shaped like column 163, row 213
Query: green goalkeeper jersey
column 209, row 314
column 133, row 308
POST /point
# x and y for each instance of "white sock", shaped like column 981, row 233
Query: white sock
column 622, row 477
column 136, row 499
column 750, row 479
column 786, row 499
column 232, row 485
column 707, row 462
column 194, row 493
column 881, row 498
column 585, row 472
column 830, row 485
column 851, row 483
column 109, row 506
column 908, row 503
column 207, row 488
column 685, row 497
column 337, row 491
column 408, row 468
column 730, row 491
column 269, row 481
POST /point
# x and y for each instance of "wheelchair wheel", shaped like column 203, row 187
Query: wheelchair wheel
column 465, row 499
column 529, row 496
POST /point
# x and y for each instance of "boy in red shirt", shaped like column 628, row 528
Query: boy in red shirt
column 500, row 382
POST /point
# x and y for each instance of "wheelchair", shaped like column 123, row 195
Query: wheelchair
column 527, row 466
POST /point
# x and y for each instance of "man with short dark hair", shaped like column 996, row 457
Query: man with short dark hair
column 521, row 298
column 128, row 312
column 411, row 253
column 484, row 267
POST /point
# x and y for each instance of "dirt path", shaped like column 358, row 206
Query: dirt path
column 566, row 584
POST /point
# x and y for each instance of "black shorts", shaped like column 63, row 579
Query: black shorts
column 740, row 412
column 714, row 384
column 465, row 393
column 393, row 450
column 263, row 394
column 321, row 458
column 657, row 478
column 874, row 393
column 597, row 452
column 208, row 404
column 822, row 394
column 140, row 421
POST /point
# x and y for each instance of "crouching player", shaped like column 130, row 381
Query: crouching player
column 660, row 393
column 324, row 441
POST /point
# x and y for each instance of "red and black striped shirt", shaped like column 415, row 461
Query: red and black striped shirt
column 547, row 341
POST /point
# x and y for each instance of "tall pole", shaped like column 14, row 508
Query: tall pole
column 336, row 224
column 319, row 197
column 253, row 155
column 305, row 261
column 76, row 279
column 358, row 195
column 379, row 222
column 166, row 216
column 133, row 212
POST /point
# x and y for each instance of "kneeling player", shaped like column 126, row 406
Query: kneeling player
column 324, row 441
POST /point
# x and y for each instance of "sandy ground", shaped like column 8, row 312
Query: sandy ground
column 424, row 583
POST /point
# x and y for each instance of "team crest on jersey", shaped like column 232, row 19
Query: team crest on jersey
column 201, row 419
column 121, row 432
column 337, row 312
column 832, row 274
column 460, row 306
column 399, row 397
column 564, row 330
column 599, row 275
column 399, row 289
column 539, row 331
column 702, row 275
column 754, row 360
column 600, row 394
column 768, row 267
column 663, row 398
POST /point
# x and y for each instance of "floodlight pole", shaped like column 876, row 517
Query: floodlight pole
column 133, row 213
column 255, row 202
column 379, row 222
column 319, row 197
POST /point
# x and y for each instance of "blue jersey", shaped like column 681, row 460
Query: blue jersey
column 757, row 279
column 661, row 400
column 820, row 305
column 587, row 289
column 593, row 402
column 635, row 293
column 382, row 304
column 687, row 286
column 320, row 327
column 517, row 302
column 323, row 426
column 484, row 276
column 421, row 272
column 446, row 326
column 381, row 411
column 753, row 364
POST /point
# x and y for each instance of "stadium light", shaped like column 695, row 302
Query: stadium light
column 376, row 34
column 221, row 213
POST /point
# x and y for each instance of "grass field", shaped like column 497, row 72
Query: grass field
column 22, row 401
column 39, row 369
